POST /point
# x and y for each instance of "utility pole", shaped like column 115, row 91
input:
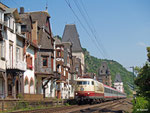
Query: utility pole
column 133, row 80
column 133, row 75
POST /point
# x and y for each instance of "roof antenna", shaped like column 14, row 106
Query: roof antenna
column 46, row 6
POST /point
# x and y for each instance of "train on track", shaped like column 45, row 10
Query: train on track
column 92, row 91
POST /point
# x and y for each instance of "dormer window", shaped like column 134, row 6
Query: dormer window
column 23, row 28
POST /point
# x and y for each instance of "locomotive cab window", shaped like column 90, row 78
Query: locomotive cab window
column 83, row 83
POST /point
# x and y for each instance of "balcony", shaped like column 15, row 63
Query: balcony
column 21, row 65
column 2, row 64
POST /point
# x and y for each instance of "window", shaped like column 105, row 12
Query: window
column 58, row 54
column 1, row 16
column 11, row 54
column 77, row 69
column 2, row 49
column 29, row 62
column 92, row 82
column 23, row 27
column 26, row 86
column 83, row 82
column 45, row 61
column 17, row 54
column 31, row 87
column 52, row 63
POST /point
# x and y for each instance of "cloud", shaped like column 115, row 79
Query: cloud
column 142, row 44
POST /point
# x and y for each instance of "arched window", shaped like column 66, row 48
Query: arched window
column 26, row 86
column 31, row 86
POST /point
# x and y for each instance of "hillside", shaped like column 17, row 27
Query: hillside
column 92, row 64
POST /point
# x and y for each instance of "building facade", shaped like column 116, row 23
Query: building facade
column 27, row 28
column 15, row 62
column 3, row 78
column 31, row 61
column 63, row 67
column 71, row 35
column 118, row 84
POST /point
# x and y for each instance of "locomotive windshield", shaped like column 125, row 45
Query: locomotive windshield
column 83, row 83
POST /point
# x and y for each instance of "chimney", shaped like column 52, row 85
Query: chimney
column 21, row 10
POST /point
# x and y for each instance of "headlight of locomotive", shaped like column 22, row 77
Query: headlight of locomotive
column 88, row 93
column 76, row 93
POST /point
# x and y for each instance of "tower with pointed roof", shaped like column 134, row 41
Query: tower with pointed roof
column 104, row 74
column 118, row 84
column 71, row 35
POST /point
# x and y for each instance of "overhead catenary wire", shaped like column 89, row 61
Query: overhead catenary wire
column 68, row 3
column 91, row 25
column 15, row 3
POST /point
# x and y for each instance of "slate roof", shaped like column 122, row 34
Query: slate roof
column 10, row 10
column 71, row 35
column 13, row 11
column 104, row 70
column 41, row 17
column 25, row 19
column 118, row 78
column 43, row 38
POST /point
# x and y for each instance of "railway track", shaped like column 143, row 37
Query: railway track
column 103, row 107
column 96, row 108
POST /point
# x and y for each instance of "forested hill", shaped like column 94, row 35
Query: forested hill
column 92, row 64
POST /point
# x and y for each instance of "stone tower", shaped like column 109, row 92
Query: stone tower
column 104, row 74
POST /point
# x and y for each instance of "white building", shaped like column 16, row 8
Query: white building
column 14, row 43
column 29, row 76
column 3, row 80
column 118, row 84
column 28, row 28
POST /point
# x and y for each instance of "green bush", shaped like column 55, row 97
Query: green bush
column 67, row 104
column 20, row 96
column 141, row 105
column 21, row 105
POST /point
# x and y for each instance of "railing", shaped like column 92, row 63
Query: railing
column 2, row 64
column 21, row 65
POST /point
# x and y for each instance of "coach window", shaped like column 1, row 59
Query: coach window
column 84, row 82
column 79, row 82
column 92, row 82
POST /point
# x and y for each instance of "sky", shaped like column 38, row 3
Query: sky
column 113, row 29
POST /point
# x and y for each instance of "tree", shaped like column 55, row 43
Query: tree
column 143, row 78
